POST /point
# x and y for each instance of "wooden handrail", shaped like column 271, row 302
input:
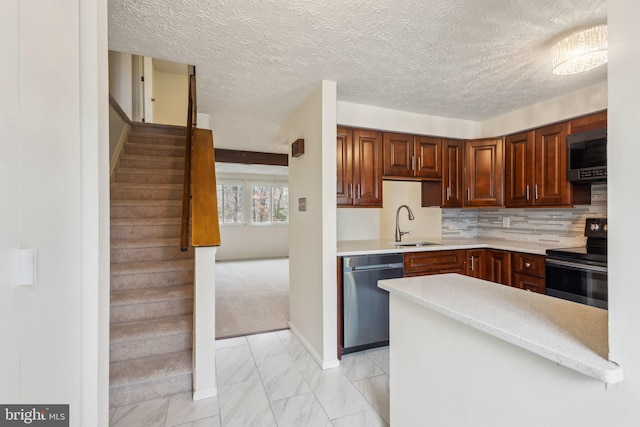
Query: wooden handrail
column 200, row 196
column 186, row 189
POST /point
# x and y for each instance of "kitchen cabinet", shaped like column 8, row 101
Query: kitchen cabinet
column 589, row 122
column 359, row 167
column 411, row 156
column 447, row 193
column 498, row 266
column 433, row 262
column 483, row 178
column 536, row 169
column 475, row 263
column 528, row 272
column 472, row 175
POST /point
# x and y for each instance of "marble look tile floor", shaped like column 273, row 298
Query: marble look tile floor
column 271, row 380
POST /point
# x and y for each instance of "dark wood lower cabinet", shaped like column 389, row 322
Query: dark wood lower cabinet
column 529, row 283
column 498, row 267
column 433, row 262
column 475, row 263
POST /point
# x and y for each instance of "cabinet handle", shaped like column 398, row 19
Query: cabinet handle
column 358, row 191
column 471, row 263
column 468, row 194
column 528, row 191
column 350, row 191
column 448, row 193
column 413, row 163
column 536, row 188
column 419, row 165
column 527, row 265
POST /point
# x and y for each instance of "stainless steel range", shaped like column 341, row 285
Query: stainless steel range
column 580, row 274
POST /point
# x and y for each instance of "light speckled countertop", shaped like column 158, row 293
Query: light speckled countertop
column 570, row 334
column 368, row 247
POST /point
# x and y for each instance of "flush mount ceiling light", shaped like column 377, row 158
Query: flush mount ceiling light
column 580, row 51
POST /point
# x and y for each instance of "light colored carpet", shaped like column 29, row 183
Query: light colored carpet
column 251, row 296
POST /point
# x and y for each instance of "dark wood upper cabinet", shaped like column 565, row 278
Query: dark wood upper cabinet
column 452, row 174
column 551, row 186
column 483, row 173
column 411, row 156
column 359, row 167
column 519, row 175
column 589, row 122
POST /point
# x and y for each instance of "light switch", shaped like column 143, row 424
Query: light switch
column 302, row 204
column 27, row 266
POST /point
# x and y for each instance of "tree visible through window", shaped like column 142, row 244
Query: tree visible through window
column 270, row 204
column 231, row 203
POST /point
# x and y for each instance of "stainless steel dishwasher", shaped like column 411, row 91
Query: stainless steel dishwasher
column 366, row 307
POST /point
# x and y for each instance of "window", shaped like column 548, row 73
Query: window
column 231, row 203
column 270, row 204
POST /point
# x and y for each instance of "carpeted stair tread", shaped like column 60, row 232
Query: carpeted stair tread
column 143, row 186
column 143, row 162
column 142, row 267
column 158, row 129
column 159, row 150
column 144, row 222
column 177, row 140
column 149, row 368
column 146, row 203
column 150, row 295
column 144, row 243
column 151, row 328
column 143, row 172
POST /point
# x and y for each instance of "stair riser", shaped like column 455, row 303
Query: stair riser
column 120, row 193
column 150, row 347
column 160, row 253
column 142, row 138
column 129, row 282
column 146, row 150
column 144, row 231
column 135, row 128
column 170, row 163
column 153, row 310
column 149, row 178
column 125, row 212
column 136, row 393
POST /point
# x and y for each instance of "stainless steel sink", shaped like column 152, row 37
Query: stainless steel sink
column 416, row 244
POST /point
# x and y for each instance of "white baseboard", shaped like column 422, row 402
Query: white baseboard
column 199, row 395
column 325, row 365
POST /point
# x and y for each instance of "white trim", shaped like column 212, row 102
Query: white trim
column 324, row 365
column 119, row 148
column 200, row 395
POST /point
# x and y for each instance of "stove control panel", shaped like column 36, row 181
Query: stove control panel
column 596, row 227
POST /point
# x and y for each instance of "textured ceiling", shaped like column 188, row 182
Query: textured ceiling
column 257, row 60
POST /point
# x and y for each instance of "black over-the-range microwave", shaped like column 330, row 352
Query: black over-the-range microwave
column 587, row 156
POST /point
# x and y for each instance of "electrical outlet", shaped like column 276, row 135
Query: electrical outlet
column 506, row 222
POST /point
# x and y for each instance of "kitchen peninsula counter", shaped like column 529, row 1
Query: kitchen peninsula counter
column 369, row 247
column 570, row 334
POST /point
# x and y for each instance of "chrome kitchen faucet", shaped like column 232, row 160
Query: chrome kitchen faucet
column 399, row 233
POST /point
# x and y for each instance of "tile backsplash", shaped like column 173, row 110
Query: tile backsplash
column 563, row 226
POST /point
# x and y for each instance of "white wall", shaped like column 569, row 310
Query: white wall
column 367, row 116
column 171, row 94
column 574, row 104
column 56, row 200
column 121, row 80
column 312, row 233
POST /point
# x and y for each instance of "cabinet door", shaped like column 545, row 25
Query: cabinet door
column 452, row 174
column 590, row 122
column 529, row 283
column 398, row 159
column 428, row 157
column 551, row 187
column 483, row 173
column 519, row 155
column 475, row 263
column 367, row 165
column 344, row 155
column 498, row 267
column 433, row 262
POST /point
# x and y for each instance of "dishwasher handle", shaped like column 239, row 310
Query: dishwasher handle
column 374, row 267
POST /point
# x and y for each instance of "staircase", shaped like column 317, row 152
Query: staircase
column 151, row 279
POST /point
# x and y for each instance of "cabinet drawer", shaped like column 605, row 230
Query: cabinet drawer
column 528, row 264
column 424, row 263
column 529, row 283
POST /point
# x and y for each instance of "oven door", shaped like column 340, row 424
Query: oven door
column 576, row 281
